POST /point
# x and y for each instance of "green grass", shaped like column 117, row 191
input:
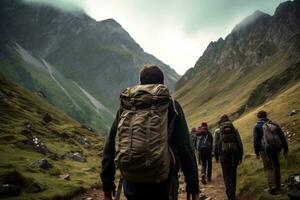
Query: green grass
column 20, row 107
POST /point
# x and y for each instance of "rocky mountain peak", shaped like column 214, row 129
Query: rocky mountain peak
column 257, row 17
column 109, row 22
column 288, row 8
column 252, row 42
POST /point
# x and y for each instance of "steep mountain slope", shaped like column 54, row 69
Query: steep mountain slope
column 91, row 61
column 33, row 130
column 229, row 75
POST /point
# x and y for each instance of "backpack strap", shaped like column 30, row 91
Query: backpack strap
column 170, row 131
column 174, row 105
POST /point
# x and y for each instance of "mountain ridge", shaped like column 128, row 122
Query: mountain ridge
column 99, row 56
column 269, row 29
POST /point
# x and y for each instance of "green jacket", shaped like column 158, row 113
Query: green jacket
column 179, row 142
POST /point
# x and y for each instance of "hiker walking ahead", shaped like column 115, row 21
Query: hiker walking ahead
column 228, row 148
column 152, row 140
column 204, row 147
column 269, row 140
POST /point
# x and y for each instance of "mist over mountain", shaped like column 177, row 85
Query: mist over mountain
column 81, row 65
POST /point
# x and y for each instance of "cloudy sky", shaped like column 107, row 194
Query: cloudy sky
column 175, row 31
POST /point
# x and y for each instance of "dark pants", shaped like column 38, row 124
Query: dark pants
column 166, row 190
column 206, row 163
column 272, row 169
column 229, row 169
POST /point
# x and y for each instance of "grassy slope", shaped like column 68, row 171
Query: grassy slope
column 19, row 107
column 231, row 88
column 251, row 175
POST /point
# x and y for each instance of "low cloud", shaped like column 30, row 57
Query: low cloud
column 65, row 5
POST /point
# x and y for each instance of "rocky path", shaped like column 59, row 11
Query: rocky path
column 213, row 191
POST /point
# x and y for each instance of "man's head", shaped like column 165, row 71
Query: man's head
column 204, row 125
column 224, row 118
column 262, row 114
column 151, row 74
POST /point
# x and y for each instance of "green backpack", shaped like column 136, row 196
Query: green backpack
column 142, row 137
column 228, row 138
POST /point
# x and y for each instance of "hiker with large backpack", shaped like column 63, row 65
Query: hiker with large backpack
column 269, row 140
column 228, row 149
column 204, row 147
column 148, row 142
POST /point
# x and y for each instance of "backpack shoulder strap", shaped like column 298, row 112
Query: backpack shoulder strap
column 174, row 105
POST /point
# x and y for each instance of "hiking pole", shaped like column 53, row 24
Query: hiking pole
column 119, row 189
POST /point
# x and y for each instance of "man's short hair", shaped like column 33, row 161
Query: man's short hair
column 262, row 114
column 224, row 118
column 151, row 74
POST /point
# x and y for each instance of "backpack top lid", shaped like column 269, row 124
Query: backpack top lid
column 226, row 126
column 145, row 96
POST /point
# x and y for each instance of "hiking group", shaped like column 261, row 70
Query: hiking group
column 149, row 142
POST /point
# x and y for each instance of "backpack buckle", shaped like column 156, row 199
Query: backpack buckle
column 132, row 103
column 154, row 101
column 148, row 163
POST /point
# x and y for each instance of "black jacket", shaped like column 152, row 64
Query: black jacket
column 218, row 146
column 179, row 142
column 258, row 135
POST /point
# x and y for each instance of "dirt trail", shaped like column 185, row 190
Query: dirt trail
column 213, row 191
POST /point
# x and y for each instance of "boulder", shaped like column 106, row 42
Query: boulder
column 75, row 156
column 35, row 143
column 84, row 141
column 10, row 190
column 35, row 188
column 41, row 94
column 29, row 126
column 47, row 118
column 293, row 112
column 64, row 176
column 54, row 156
column 43, row 164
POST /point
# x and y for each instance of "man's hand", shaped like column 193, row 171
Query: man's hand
column 195, row 196
column 108, row 195
column 257, row 156
column 285, row 155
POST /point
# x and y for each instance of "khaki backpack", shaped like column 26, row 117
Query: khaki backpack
column 142, row 137
column 228, row 138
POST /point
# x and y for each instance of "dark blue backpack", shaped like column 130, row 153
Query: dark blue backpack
column 203, row 142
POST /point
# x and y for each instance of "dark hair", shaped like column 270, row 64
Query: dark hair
column 151, row 74
column 262, row 114
column 224, row 118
